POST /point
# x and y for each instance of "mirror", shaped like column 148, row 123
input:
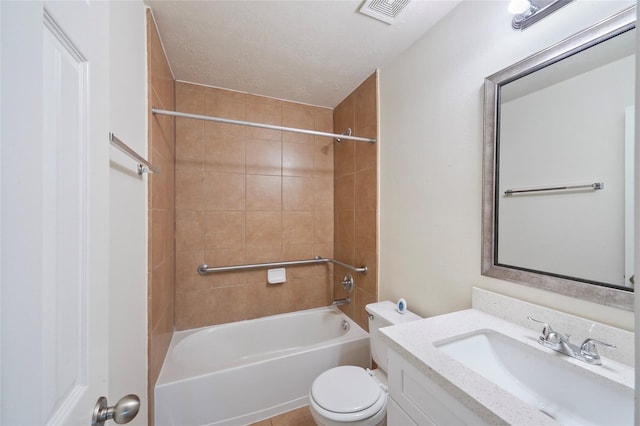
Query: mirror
column 558, row 166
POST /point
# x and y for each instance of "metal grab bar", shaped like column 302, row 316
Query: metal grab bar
column 143, row 165
column 204, row 269
column 594, row 186
column 260, row 125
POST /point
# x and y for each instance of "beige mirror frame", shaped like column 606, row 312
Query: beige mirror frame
column 591, row 36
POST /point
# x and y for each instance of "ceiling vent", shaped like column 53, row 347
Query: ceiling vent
column 383, row 10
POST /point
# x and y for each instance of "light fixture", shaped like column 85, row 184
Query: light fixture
column 528, row 12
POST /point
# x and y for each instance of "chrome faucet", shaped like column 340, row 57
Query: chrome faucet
column 339, row 302
column 586, row 352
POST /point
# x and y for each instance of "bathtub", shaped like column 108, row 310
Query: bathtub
column 247, row 371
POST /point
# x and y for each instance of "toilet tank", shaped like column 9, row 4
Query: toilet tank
column 384, row 314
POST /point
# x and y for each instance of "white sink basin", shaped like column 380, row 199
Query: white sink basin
column 568, row 393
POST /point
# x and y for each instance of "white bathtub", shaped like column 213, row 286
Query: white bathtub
column 243, row 372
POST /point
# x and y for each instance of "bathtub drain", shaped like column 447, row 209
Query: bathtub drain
column 345, row 325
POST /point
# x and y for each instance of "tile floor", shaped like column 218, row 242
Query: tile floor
column 298, row 417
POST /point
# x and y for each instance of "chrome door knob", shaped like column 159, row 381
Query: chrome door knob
column 123, row 412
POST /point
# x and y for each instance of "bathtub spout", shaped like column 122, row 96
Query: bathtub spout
column 344, row 301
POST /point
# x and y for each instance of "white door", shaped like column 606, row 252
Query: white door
column 54, row 200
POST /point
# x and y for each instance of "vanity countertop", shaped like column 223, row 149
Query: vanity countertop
column 414, row 341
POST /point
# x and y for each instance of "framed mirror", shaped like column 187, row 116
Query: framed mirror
column 558, row 166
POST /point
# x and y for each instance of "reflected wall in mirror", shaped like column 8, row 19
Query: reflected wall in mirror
column 558, row 166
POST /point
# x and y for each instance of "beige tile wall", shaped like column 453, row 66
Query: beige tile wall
column 356, row 192
column 233, row 195
column 250, row 195
column 161, row 274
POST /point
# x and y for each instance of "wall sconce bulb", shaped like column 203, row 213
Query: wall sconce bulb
column 519, row 7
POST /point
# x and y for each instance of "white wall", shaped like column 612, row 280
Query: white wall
column 128, row 206
column 431, row 156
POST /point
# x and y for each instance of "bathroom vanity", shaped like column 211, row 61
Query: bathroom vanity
column 486, row 365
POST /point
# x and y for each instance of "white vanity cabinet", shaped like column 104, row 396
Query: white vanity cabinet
column 417, row 400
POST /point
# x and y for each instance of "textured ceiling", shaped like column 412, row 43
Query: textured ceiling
column 308, row 51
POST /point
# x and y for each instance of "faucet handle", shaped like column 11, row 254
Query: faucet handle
column 590, row 353
column 546, row 330
column 589, row 346
column 549, row 334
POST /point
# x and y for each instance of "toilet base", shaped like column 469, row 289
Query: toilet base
column 379, row 419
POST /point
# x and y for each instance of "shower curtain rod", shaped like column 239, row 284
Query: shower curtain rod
column 264, row 126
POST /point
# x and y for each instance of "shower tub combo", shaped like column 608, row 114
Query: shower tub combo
column 247, row 371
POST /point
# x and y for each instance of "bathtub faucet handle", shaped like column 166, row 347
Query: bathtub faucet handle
column 347, row 283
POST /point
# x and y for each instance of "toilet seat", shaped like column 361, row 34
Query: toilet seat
column 347, row 394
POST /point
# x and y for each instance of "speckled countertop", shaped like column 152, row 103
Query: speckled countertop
column 414, row 341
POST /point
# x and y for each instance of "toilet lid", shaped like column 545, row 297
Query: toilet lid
column 345, row 389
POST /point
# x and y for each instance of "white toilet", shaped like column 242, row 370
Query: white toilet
column 353, row 395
